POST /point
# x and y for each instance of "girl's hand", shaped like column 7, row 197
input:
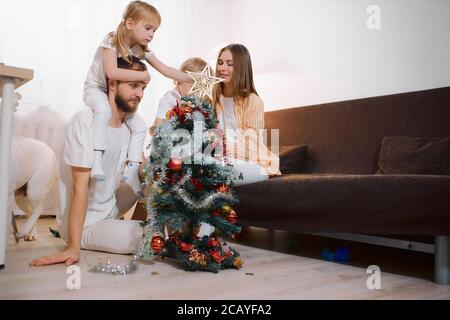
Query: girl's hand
column 166, row 70
column 187, row 79
column 147, row 77
column 68, row 256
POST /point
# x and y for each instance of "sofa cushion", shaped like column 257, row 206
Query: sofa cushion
column 378, row 204
column 408, row 155
column 292, row 158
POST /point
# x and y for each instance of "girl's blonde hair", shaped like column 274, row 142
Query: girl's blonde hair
column 136, row 11
column 242, row 78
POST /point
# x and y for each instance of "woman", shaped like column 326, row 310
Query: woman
column 240, row 112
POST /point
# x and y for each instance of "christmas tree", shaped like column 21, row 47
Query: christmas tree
column 188, row 186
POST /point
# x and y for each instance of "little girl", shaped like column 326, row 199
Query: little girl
column 134, row 33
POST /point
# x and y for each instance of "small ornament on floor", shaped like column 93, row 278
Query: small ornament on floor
column 109, row 267
column 342, row 254
column 327, row 254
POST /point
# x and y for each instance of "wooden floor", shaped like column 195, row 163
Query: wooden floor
column 266, row 274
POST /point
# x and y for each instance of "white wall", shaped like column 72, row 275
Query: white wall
column 304, row 51
column 320, row 51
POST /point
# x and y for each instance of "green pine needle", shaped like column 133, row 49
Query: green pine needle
column 55, row 233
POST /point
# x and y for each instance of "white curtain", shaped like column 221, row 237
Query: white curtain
column 58, row 38
column 304, row 51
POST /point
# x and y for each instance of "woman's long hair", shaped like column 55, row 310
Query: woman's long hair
column 136, row 11
column 242, row 78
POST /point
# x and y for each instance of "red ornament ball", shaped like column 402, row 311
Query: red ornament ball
column 216, row 213
column 232, row 217
column 157, row 243
column 185, row 110
column 197, row 184
column 175, row 164
column 185, row 247
column 213, row 243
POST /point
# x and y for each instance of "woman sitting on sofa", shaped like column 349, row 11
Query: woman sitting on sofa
column 240, row 112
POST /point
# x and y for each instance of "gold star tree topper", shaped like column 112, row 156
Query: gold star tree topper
column 203, row 82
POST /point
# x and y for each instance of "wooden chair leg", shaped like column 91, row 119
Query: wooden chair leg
column 16, row 231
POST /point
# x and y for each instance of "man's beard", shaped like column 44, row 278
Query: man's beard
column 122, row 105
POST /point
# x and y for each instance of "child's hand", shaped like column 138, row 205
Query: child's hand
column 147, row 77
column 187, row 79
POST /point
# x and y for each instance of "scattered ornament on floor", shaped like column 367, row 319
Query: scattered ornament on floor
column 341, row 254
column 154, row 273
column 249, row 274
column 327, row 254
column 116, row 269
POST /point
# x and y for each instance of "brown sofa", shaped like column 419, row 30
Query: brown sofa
column 338, row 191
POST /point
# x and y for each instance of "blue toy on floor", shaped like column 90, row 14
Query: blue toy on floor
column 342, row 254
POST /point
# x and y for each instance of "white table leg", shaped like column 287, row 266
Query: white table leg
column 5, row 151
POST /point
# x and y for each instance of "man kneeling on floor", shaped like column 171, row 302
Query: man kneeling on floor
column 93, row 208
